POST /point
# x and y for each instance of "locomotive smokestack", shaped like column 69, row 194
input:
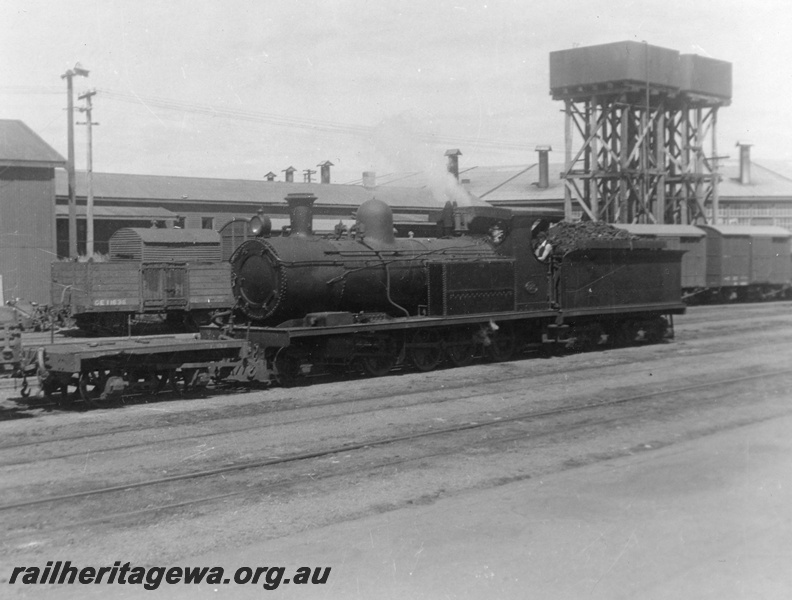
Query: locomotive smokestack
column 745, row 162
column 301, row 213
column 544, row 168
column 325, row 170
column 453, row 162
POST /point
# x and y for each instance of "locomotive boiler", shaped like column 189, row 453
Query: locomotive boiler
column 277, row 279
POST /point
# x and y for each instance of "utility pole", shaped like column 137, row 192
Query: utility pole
column 89, row 206
column 68, row 75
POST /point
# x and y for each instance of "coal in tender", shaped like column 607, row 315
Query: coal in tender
column 566, row 237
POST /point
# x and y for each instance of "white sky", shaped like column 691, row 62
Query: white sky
column 369, row 85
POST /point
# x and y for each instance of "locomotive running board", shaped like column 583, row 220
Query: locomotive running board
column 280, row 337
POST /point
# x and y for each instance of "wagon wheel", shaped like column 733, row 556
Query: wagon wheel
column 66, row 398
column 145, row 381
column 91, row 386
column 165, row 379
column 192, row 380
column 425, row 350
column 503, row 343
column 460, row 347
column 56, row 391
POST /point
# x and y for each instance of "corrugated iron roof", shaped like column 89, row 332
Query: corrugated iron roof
column 120, row 212
column 20, row 146
column 516, row 182
column 498, row 184
column 662, row 230
column 766, row 183
column 121, row 186
column 171, row 236
column 780, row 168
column 505, row 184
column 751, row 230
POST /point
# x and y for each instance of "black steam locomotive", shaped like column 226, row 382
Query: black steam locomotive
column 373, row 300
column 367, row 300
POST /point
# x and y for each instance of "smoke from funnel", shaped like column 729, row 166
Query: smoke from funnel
column 399, row 139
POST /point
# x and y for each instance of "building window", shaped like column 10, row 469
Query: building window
column 207, row 222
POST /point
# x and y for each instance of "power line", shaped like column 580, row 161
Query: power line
column 278, row 120
column 299, row 122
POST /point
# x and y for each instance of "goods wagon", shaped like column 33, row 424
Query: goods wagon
column 743, row 257
column 688, row 238
column 727, row 262
column 173, row 273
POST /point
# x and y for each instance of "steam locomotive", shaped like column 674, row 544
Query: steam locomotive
column 373, row 300
column 368, row 301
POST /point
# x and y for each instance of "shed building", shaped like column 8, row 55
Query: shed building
column 124, row 200
column 27, row 211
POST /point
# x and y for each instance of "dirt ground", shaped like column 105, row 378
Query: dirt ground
column 728, row 369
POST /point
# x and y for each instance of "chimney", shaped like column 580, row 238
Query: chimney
column 369, row 179
column 544, row 167
column 270, row 176
column 289, row 174
column 453, row 162
column 325, row 170
column 301, row 213
column 745, row 162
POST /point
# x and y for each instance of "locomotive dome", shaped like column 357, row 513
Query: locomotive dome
column 375, row 221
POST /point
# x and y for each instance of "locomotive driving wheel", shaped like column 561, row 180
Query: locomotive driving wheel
column 377, row 366
column 425, row 349
column 379, row 356
column 287, row 365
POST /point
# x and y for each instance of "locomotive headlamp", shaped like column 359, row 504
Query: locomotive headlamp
column 260, row 225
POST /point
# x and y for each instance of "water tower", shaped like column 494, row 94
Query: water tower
column 640, row 132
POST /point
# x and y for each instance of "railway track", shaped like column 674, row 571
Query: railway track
column 373, row 403
column 494, row 431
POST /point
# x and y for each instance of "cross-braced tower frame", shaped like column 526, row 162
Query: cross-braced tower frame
column 640, row 132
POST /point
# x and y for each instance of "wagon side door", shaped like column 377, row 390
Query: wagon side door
column 164, row 287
